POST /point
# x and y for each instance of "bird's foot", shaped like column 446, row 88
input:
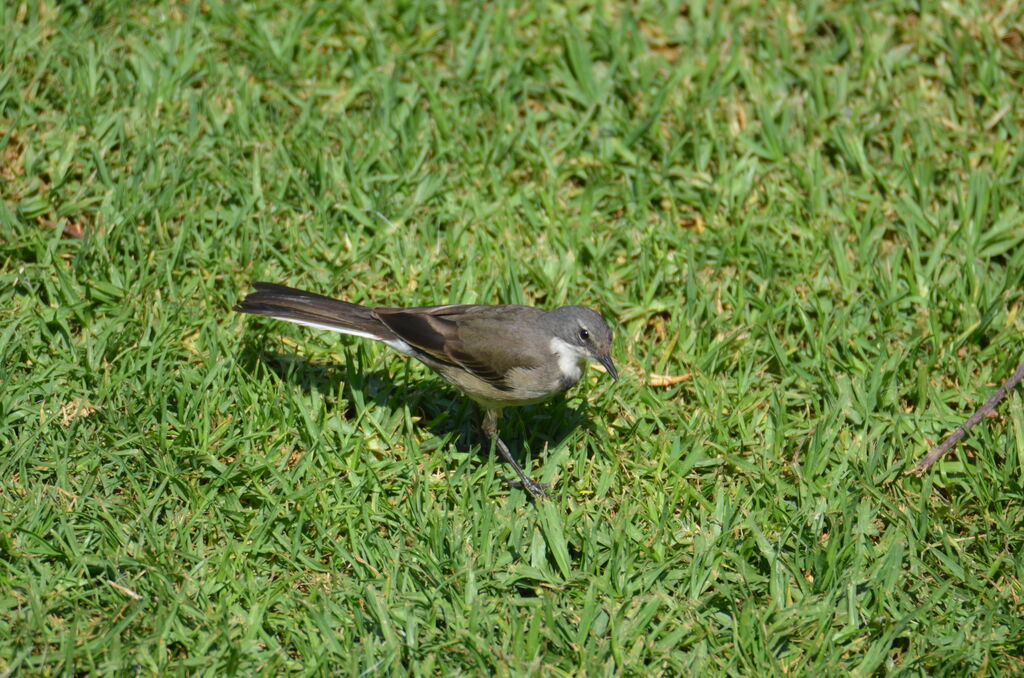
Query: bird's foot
column 538, row 490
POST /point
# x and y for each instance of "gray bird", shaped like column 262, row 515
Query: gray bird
column 500, row 356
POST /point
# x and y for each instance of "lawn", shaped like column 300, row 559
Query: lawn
column 803, row 221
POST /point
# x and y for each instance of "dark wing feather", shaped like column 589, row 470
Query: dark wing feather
column 464, row 335
column 429, row 333
column 494, row 376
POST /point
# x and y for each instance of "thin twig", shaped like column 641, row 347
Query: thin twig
column 938, row 450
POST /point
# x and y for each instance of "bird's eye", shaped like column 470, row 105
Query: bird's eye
column 584, row 334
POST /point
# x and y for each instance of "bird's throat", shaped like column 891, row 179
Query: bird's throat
column 570, row 361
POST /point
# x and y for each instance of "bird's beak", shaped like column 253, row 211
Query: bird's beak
column 606, row 362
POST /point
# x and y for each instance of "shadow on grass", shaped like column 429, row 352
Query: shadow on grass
column 439, row 407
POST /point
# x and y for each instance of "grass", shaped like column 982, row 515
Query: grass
column 811, row 210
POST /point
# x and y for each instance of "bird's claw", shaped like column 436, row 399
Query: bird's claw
column 538, row 490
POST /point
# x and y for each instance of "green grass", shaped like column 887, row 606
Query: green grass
column 813, row 209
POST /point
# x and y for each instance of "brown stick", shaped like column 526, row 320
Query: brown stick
column 938, row 450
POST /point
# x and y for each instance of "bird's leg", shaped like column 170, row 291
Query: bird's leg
column 490, row 427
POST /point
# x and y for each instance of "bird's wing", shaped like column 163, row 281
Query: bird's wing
column 467, row 336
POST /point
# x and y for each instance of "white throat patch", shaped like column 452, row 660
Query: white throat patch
column 569, row 358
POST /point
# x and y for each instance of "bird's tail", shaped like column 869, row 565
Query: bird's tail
column 313, row 310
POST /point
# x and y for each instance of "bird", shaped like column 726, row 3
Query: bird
column 498, row 355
